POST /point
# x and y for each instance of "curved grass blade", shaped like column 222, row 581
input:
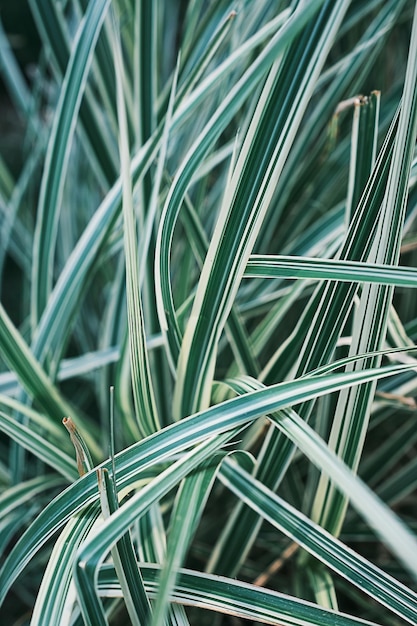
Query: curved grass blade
column 57, row 154
column 335, row 554
column 238, row 94
column 324, row 317
column 234, row 326
column 189, row 505
column 377, row 514
column 243, row 600
column 53, row 598
column 262, row 157
column 93, row 551
column 54, row 34
column 370, row 322
column 74, row 278
column 140, row 460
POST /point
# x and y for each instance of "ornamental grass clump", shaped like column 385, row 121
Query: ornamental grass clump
column 208, row 318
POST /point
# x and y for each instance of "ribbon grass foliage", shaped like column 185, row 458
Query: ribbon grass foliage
column 211, row 209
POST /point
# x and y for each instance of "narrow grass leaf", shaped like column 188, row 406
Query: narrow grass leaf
column 188, row 507
column 93, row 552
column 335, row 554
column 53, row 602
column 124, row 559
column 217, row 123
column 269, row 266
column 146, row 411
column 55, row 34
column 57, row 154
column 262, row 157
column 370, row 321
column 380, row 518
column 323, row 317
column 140, row 460
column 242, row 600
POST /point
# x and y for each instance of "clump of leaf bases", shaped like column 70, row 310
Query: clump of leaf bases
column 208, row 248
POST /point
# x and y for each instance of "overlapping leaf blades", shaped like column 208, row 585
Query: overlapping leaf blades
column 179, row 248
